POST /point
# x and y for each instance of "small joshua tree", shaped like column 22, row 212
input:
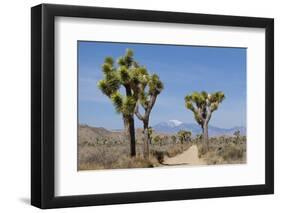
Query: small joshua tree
column 174, row 138
column 126, row 74
column 203, row 105
column 184, row 136
column 149, row 88
column 156, row 139
column 237, row 135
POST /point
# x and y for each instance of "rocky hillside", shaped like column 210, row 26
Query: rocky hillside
column 91, row 134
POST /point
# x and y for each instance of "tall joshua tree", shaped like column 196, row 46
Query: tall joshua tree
column 203, row 105
column 127, row 74
column 149, row 89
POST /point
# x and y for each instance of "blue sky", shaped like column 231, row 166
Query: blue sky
column 183, row 69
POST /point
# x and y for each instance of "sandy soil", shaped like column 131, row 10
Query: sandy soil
column 188, row 157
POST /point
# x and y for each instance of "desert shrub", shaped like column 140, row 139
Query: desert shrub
column 135, row 162
column 159, row 155
column 231, row 152
column 101, row 155
column 224, row 150
column 112, row 155
column 201, row 149
column 213, row 158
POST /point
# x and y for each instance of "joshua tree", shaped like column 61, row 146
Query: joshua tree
column 156, row 139
column 237, row 135
column 149, row 88
column 203, row 105
column 174, row 139
column 126, row 74
column 184, row 136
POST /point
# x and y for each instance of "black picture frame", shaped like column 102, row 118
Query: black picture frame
column 43, row 102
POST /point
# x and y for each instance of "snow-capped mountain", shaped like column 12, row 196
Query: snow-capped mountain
column 173, row 126
column 173, row 123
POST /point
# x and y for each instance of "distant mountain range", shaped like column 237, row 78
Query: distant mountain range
column 173, row 126
column 92, row 134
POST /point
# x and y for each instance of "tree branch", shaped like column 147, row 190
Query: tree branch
column 137, row 113
column 150, row 105
column 209, row 115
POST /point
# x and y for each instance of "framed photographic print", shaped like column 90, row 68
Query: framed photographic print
column 139, row 106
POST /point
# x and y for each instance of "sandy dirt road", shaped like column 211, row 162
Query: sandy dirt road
column 188, row 157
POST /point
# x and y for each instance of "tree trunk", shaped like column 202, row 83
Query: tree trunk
column 205, row 137
column 146, row 140
column 130, row 134
column 131, row 127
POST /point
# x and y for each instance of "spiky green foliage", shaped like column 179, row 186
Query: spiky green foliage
column 184, row 136
column 117, row 100
column 157, row 139
column 148, row 87
column 125, row 73
column 128, row 105
column 155, row 85
column 111, row 82
column 130, row 76
column 109, row 60
column 141, row 88
column 203, row 104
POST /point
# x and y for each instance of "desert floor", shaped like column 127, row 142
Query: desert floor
column 188, row 157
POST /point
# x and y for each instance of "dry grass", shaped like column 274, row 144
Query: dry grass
column 224, row 150
column 113, row 155
column 116, row 156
